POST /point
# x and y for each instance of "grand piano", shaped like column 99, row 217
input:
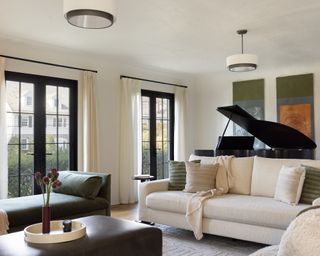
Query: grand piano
column 282, row 140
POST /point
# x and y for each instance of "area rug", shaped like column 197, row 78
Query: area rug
column 180, row 242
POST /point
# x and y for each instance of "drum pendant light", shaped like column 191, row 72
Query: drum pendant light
column 91, row 14
column 242, row 62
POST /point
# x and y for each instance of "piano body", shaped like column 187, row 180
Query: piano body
column 284, row 141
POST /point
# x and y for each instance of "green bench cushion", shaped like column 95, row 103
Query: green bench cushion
column 87, row 186
column 27, row 210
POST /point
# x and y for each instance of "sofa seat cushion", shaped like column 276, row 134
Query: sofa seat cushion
column 27, row 210
column 252, row 210
column 171, row 201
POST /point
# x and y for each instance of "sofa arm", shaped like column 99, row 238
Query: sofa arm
column 147, row 188
column 316, row 202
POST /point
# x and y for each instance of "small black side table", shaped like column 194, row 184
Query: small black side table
column 143, row 177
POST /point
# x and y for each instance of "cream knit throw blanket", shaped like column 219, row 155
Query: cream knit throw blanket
column 195, row 209
column 302, row 237
column 224, row 178
column 224, row 181
column 4, row 222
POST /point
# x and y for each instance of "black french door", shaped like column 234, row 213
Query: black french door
column 42, row 128
column 157, row 132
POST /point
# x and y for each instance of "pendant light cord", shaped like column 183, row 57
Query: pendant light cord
column 242, row 43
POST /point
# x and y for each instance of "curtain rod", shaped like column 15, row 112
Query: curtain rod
column 153, row 81
column 47, row 63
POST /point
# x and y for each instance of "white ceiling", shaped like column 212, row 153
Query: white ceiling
column 193, row 36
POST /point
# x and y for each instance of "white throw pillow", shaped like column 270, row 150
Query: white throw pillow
column 290, row 183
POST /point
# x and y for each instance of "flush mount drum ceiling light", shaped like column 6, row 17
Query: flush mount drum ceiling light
column 242, row 62
column 92, row 14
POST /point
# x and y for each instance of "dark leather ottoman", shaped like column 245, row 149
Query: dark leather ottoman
column 105, row 236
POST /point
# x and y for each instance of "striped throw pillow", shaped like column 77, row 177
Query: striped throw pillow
column 177, row 174
column 200, row 177
column 311, row 186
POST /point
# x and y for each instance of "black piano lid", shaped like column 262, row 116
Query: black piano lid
column 275, row 135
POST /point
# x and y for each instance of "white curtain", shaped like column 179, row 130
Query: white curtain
column 130, row 139
column 3, row 134
column 89, row 161
column 180, row 124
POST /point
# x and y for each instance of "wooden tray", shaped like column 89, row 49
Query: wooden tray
column 33, row 233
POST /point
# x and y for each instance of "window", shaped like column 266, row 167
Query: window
column 35, row 140
column 24, row 144
column 59, row 122
column 30, row 121
column 24, row 121
column 157, row 132
column 54, row 122
column 29, row 100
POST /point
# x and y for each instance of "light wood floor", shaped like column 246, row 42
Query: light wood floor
column 125, row 211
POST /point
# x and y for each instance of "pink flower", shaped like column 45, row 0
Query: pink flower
column 46, row 180
column 46, row 184
column 53, row 174
column 56, row 184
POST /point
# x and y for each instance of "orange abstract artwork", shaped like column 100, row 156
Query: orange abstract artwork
column 297, row 116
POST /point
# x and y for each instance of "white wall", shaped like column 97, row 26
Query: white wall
column 108, row 90
column 215, row 90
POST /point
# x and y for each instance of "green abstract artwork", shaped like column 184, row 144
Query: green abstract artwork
column 249, row 95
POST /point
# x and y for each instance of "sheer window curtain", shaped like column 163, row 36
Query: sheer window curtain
column 89, row 141
column 3, row 134
column 130, row 139
column 180, row 124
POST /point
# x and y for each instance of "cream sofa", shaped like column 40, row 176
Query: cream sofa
column 249, row 212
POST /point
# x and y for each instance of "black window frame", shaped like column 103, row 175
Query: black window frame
column 40, row 82
column 152, row 112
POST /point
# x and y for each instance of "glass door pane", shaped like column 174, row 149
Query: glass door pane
column 162, row 136
column 145, row 111
column 157, row 132
column 58, row 127
column 20, row 138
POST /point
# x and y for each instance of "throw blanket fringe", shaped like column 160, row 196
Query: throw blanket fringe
column 195, row 209
column 4, row 222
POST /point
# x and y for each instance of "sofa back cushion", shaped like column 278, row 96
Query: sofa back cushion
column 241, row 170
column 87, row 186
column 266, row 171
column 203, row 159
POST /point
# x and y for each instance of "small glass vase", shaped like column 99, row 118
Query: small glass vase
column 46, row 218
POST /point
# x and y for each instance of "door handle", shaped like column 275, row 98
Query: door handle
column 32, row 154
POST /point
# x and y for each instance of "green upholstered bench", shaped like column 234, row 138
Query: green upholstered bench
column 24, row 211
